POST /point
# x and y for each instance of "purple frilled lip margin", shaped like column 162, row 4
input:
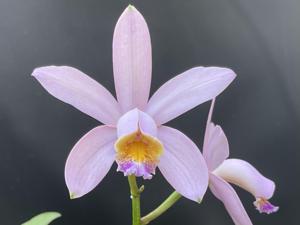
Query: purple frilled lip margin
column 133, row 133
column 236, row 171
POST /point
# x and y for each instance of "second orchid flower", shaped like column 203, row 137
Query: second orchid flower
column 236, row 171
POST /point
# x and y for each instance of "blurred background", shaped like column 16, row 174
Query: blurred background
column 260, row 111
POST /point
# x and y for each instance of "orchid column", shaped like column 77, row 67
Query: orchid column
column 133, row 134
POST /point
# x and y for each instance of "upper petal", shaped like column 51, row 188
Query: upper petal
column 243, row 174
column 225, row 193
column 215, row 147
column 182, row 164
column 79, row 90
column 188, row 90
column 132, row 60
column 90, row 160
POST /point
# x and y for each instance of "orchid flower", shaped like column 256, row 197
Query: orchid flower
column 133, row 134
column 235, row 171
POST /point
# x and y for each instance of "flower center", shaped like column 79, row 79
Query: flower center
column 264, row 206
column 138, row 154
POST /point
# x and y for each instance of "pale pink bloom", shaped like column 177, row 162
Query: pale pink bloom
column 235, row 171
column 133, row 134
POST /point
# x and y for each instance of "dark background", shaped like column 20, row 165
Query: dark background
column 259, row 112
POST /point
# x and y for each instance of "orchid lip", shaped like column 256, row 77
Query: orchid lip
column 137, row 169
column 138, row 149
column 264, row 206
column 138, row 154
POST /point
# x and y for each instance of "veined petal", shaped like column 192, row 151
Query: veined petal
column 79, row 90
column 215, row 147
column 244, row 175
column 186, row 91
column 132, row 60
column 182, row 164
column 225, row 193
column 90, row 160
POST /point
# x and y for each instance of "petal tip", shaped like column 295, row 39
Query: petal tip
column 131, row 7
column 199, row 200
column 72, row 195
column 40, row 71
column 228, row 74
column 35, row 72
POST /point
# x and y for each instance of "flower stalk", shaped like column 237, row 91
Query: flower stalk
column 135, row 200
column 163, row 207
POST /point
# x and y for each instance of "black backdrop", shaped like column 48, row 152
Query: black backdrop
column 259, row 112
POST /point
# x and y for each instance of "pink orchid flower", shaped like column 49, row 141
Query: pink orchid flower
column 236, row 171
column 133, row 134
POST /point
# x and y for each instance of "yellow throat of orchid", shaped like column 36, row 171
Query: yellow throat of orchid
column 138, row 154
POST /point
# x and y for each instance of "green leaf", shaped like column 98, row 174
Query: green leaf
column 43, row 218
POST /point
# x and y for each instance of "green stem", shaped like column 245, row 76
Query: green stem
column 135, row 200
column 174, row 197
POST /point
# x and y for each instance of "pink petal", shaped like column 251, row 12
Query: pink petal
column 225, row 193
column 243, row 174
column 135, row 119
column 90, row 160
column 188, row 90
column 215, row 148
column 132, row 60
column 79, row 90
column 182, row 164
